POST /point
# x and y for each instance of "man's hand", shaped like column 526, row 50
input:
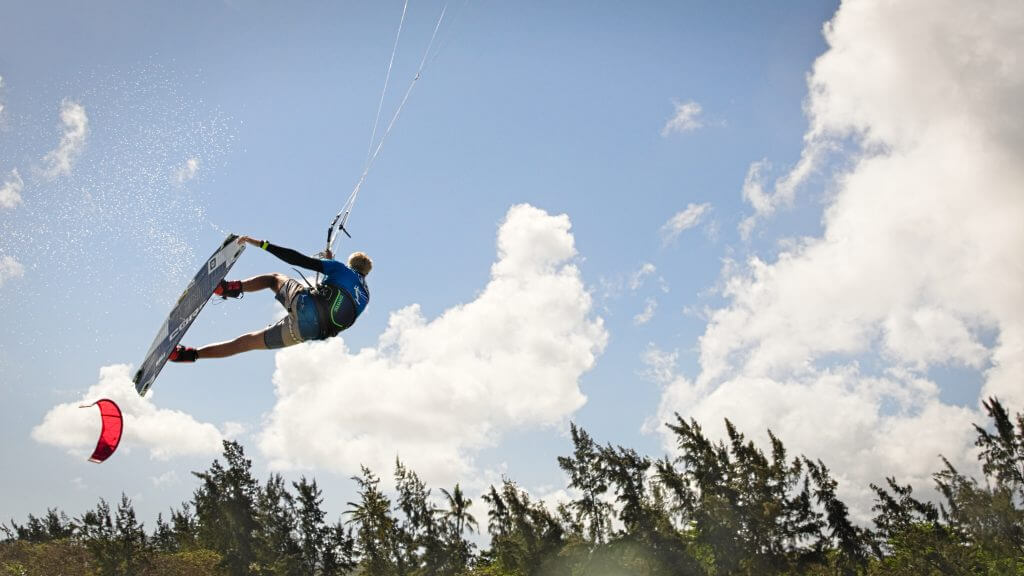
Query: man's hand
column 249, row 240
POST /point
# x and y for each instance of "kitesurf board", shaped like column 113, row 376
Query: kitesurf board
column 185, row 311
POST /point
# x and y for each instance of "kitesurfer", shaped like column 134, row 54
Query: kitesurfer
column 314, row 313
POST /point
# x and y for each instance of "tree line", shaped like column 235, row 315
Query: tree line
column 718, row 508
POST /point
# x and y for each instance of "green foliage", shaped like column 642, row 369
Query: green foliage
column 377, row 531
column 197, row 562
column 718, row 508
column 225, row 505
column 456, row 520
column 54, row 525
column 978, row 529
column 181, row 534
column 526, row 538
column 411, row 536
column 24, row 558
column 277, row 549
column 586, row 474
column 118, row 544
column 751, row 514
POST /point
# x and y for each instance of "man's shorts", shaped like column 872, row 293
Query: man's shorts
column 302, row 322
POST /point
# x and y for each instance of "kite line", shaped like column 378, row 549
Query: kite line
column 341, row 218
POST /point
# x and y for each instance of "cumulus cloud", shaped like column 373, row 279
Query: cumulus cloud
column 165, row 433
column 59, row 161
column 863, row 428
column 10, row 192
column 919, row 259
column 437, row 391
column 683, row 221
column 685, row 119
column 187, row 171
column 9, row 269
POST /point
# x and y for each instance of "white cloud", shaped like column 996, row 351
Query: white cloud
column 1, row 103
column 10, row 192
column 59, row 161
column 838, row 416
column 187, row 171
column 919, row 258
column 10, row 269
column 614, row 288
column 648, row 313
column 683, row 221
column 637, row 281
column 169, row 478
column 165, row 433
column 660, row 365
column 685, row 119
column 233, row 430
column 763, row 203
column 435, row 392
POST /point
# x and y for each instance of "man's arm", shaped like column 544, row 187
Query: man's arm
column 287, row 254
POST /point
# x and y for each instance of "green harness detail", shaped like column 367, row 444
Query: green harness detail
column 334, row 304
column 334, row 308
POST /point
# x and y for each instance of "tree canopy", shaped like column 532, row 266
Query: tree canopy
column 723, row 507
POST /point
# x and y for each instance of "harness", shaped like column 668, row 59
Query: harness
column 335, row 307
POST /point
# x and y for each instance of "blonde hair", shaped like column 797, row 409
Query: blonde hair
column 360, row 262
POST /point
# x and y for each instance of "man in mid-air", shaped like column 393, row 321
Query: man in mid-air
column 313, row 314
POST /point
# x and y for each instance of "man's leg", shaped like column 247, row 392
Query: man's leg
column 252, row 340
column 235, row 288
column 262, row 282
column 244, row 343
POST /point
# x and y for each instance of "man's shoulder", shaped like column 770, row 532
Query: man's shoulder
column 334, row 265
column 339, row 271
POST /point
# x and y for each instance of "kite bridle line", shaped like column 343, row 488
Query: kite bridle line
column 341, row 218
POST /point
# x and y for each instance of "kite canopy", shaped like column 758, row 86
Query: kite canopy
column 110, row 435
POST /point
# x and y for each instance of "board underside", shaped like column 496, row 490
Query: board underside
column 185, row 311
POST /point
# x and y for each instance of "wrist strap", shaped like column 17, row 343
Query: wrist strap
column 265, row 244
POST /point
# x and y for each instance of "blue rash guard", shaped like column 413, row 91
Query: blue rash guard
column 341, row 276
column 345, row 291
column 342, row 295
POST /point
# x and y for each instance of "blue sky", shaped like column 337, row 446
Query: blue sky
column 834, row 273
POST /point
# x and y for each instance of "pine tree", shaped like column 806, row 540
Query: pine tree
column 225, row 510
column 55, row 525
column 118, row 544
column 339, row 551
column 977, row 529
column 527, row 537
column 418, row 532
column 376, row 530
column 586, row 476
column 313, row 532
column 277, row 549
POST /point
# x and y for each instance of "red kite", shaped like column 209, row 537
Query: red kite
column 110, row 435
